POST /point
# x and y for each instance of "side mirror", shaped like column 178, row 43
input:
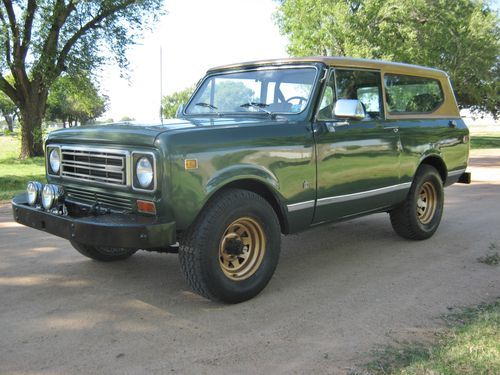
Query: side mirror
column 179, row 111
column 349, row 108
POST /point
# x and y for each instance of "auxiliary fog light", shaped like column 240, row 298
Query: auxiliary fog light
column 51, row 195
column 34, row 190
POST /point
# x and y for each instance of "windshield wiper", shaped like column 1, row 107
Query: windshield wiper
column 207, row 105
column 258, row 106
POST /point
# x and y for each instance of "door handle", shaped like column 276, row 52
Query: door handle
column 341, row 123
column 331, row 126
column 395, row 129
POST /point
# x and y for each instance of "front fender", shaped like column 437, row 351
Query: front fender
column 241, row 172
column 194, row 192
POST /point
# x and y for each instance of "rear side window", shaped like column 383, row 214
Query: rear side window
column 407, row 94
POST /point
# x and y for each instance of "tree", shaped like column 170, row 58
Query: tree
column 8, row 110
column 127, row 119
column 461, row 37
column 230, row 95
column 74, row 99
column 39, row 40
column 170, row 103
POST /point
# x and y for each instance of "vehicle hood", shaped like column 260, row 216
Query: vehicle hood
column 140, row 134
column 127, row 133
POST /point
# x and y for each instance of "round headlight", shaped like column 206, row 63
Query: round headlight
column 55, row 160
column 144, row 172
column 33, row 189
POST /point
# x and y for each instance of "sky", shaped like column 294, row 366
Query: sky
column 194, row 36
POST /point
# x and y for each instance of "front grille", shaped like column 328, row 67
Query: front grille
column 103, row 199
column 98, row 165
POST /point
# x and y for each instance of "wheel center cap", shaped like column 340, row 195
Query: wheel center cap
column 234, row 246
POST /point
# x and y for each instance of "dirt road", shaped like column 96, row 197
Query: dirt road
column 339, row 291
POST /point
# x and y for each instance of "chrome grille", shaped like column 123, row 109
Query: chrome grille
column 94, row 164
column 103, row 199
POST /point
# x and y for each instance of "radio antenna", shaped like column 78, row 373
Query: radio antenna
column 161, row 84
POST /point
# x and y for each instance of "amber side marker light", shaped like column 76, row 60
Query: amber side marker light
column 146, row 207
column 191, row 163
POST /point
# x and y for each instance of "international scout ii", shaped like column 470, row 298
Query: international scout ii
column 261, row 149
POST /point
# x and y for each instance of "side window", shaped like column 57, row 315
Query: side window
column 325, row 111
column 409, row 95
column 370, row 97
column 362, row 85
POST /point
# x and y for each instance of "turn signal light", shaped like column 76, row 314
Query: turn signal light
column 191, row 163
column 146, row 207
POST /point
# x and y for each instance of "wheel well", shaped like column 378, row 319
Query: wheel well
column 266, row 193
column 437, row 163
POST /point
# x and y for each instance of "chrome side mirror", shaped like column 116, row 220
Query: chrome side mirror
column 349, row 108
column 179, row 111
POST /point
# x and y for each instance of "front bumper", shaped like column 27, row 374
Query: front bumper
column 113, row 229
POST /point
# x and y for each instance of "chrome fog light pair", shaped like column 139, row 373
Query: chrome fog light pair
column 49, row 195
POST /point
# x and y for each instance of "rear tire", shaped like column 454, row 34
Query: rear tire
column 418, row 217
column 230, row 252
column 102, row 253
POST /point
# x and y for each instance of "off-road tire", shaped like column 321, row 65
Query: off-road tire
column 200, row 246
column 103, row 254
column 412, row 219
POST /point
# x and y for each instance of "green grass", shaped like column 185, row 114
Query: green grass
column 15, row 173
column 490, row 259
column 470, row 346
column 491, row 140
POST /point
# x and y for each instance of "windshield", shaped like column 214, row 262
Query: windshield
column 266, row 91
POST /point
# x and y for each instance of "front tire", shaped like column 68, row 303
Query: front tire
column 231, row 251
column 418, row 217
column 103, row 254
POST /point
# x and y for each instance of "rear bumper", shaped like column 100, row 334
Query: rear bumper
column 117, row 230
column 460, row 176
column 465, row 178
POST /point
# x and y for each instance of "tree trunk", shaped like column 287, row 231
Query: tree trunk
column 9, row 119
column 31, row 116
column 31, row 132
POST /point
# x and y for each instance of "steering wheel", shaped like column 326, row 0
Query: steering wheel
column 301, row 100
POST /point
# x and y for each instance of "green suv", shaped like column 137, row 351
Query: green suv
column 261, row 149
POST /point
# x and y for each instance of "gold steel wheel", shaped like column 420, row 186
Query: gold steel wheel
column 242, row 248
column 426, row 203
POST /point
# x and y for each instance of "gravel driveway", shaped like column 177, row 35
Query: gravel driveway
column 339, row 291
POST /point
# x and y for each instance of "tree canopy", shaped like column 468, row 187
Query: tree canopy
column 461, row 37
column 74, row 99
column 170, row 103
column 41, row 39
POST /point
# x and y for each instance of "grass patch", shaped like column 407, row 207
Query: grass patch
column 471, row 346
column 485, row 141
column 14, row 172
column 490, row 259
